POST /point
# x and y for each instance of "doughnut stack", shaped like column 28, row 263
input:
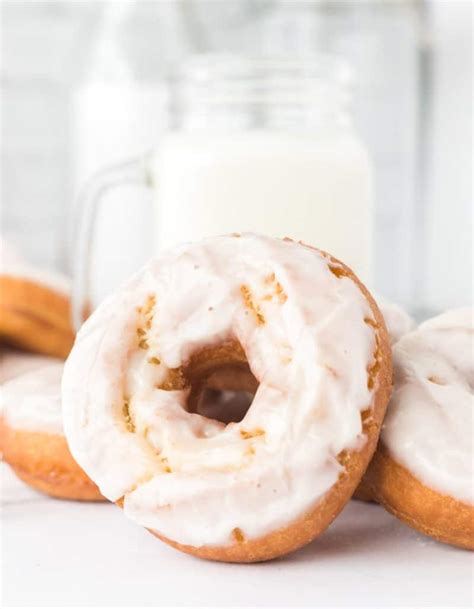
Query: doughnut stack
column 235, row 393
column 35, row 337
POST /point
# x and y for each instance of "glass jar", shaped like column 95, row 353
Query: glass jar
column 258, row 144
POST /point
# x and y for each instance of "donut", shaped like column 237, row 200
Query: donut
column 32, row 436
column 250, row 490
column 35, row 310
column 422, row 471
column 398, row 323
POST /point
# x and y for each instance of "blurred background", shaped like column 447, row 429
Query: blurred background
column 89, row 83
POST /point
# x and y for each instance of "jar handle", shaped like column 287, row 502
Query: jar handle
column 131, row 171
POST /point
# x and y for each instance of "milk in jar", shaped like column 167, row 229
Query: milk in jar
column 269, row 147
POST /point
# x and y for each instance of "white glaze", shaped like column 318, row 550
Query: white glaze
column 397, row 320
column 32, row 401
column 13, row 363
column 429, row 424
column 310, row 357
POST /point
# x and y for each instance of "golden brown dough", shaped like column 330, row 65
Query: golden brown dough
column 34, row 317
column 439, row 516
column 363, row 492
column 44, row 462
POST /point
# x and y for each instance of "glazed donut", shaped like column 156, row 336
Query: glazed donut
column 35, row 310
column 398, row 323
column 423, row 468
column 251, row 490
column 32, row 436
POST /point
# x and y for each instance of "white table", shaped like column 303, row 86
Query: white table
column 65, row 553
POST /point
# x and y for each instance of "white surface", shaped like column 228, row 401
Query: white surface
column 64, row 553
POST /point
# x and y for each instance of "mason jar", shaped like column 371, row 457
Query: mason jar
column 260, row 144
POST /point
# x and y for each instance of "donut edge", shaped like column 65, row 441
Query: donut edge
column 439, row 516
column 44, row 462
column 35, row 317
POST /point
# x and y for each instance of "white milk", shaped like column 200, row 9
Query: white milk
column 316, row 188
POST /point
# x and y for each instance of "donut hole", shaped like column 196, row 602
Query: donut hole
column 221, row 383
column 225, row 394
column 225, row 405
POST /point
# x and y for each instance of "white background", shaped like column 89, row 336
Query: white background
column 65, row 553
column 424, row 207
